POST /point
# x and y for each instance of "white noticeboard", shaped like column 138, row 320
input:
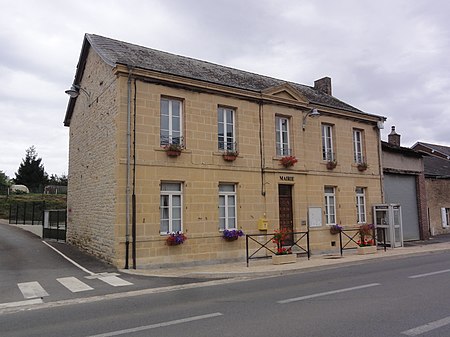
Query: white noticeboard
column 315, row 217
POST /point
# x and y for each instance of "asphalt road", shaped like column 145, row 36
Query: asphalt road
column 395, row 297
column 30, row 269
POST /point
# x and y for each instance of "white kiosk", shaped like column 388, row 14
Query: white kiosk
column 389, row 218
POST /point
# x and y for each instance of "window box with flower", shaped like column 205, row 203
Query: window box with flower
column 362, row 166
column 173, row 150
column 335, row 229
column 230, row 155
column 232, row 234
column 331, row 164
column 288, row 161
column 175, row 238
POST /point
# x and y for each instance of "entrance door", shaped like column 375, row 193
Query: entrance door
column 285, row 207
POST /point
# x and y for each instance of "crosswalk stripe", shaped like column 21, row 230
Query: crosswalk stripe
column 74, row 284
column 32, row 290
column 115, row 281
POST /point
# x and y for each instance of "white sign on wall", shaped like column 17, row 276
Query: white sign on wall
column 315, row 217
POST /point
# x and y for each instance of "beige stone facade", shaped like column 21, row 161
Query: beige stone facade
column 99, row 195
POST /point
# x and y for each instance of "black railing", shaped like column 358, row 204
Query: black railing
column 350, row 238
column 55, row 224
column 268, row 240
column 26, row 213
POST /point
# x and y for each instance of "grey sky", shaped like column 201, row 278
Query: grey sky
column 388, row 58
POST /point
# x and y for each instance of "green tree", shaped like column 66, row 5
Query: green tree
column 4, row 179
column 31, row 171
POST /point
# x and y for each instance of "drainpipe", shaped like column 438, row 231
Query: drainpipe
column 127, row 191
column 261, row 145
column 133, row 196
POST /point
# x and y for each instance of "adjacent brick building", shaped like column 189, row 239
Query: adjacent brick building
column 124, row 190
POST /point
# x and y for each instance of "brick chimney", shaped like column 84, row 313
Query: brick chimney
column 323, row 85
column 394, row 137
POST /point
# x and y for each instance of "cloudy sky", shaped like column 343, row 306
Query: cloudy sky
column 385, row 57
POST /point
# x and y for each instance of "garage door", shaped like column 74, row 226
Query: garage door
column 401, row 189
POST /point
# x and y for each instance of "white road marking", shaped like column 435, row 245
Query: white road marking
column 69, row 259
column 115, row 281
column 430, row 274
column 21, row 303
column 32, row 290
column 74, row 284
column 427, row 327
column 289, row 300
column 158, row 325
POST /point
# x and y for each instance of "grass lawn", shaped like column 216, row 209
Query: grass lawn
column 52, row 201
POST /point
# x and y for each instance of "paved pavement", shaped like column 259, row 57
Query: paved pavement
column 264, row 267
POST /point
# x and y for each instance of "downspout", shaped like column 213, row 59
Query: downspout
column 380, row 164
column 261, row 150
column 127, row 191
column 133, row 196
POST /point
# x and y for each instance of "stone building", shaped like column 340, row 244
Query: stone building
column 129, row 105
column 437, row 181
column 404, row 184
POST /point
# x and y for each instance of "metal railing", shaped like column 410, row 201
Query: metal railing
column 55, row 224
column 349, row 236
column 268, row 239
column 26, row 213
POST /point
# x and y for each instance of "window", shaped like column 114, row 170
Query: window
column 171, row 121
column 282, row 136
column 227, row 206
column 170, row 207
column 327, row 142
column 330, row 206
column 226, row 127
column 358, row 146
column 445, row 217
column 360, row 205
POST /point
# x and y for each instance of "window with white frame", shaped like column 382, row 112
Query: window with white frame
column 171, row 201
column 358, row 146
column 282, row 136
column 327, row 142
column 330, row 205
column 227, row 206
column 171, row 115
column 445, row 213
column 360, row 205
column 226, row 129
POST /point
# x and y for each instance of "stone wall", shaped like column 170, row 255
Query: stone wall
column 438, row 196
column 93, row 160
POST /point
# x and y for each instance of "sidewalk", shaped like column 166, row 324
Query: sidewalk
column 259, row 268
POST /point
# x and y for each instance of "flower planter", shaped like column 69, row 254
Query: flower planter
column 234, row 238
column 331, row 165
column 367, row 250
column 362, row 167
column 283, row 259
column 171, row 153
column 229, row 157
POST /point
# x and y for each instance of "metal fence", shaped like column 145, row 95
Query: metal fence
column 55, row 224
column 260, row 245
column 27, row 213
column 348, row 238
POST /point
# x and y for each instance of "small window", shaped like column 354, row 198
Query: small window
column 227, row 206
column 226, row 129
column 282, row 136
column 171, row 206
column 330, row 205
column 445, row 212
column 360, row 205
column 358, row 146
column 171, row 115
column 327, row 143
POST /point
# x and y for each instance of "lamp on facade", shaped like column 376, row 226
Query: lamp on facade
column 313, row 113
column 75, row 90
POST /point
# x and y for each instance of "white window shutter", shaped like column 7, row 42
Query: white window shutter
column 444, row 218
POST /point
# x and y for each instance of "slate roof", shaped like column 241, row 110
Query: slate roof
column 436, row 167
column 117, row 52
column 439, row 148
